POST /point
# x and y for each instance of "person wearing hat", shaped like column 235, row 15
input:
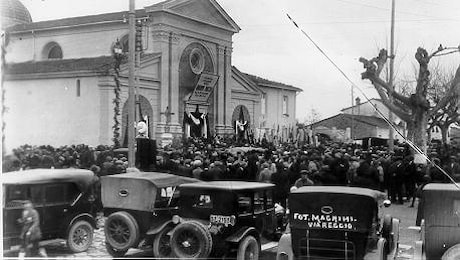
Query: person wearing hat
column 197, row 165
column 396, row 174
column 435, row 173
column 453, row 168
column 304, row 179
column 265, row 174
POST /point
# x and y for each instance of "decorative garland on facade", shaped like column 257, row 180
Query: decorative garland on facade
column 116, row 108
column 4, row 43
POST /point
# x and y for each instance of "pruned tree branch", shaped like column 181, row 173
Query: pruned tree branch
column 453, row 92
column 395, row 109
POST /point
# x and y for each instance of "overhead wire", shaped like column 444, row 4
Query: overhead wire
column 411, row 144
column 387, row 9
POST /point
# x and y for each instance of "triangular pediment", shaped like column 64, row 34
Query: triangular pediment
column 242, row 84
column 205, row 11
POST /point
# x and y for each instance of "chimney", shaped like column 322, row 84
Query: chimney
column 357, row 104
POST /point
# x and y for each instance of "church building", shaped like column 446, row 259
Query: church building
column 62, row 84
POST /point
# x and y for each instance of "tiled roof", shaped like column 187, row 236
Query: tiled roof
column 362, row 103
column 269, row 83
column 100, row 64
column 97, row 64
column 343, row 121
column 80, row 20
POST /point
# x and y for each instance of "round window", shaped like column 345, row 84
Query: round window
column 197, row 61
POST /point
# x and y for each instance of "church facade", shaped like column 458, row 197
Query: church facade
column 60, row 84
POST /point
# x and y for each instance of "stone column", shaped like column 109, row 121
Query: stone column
column 166, row 43
column 227, row 90
column 219, row 105
column 161, row 45
column 173, row 69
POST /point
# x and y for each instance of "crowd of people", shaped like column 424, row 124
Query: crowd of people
column 285, row 165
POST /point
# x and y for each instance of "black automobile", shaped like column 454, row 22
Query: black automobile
column 439, row 212
column 332, row 222
column 64, row 199
column 223, row 218
column 140, row 206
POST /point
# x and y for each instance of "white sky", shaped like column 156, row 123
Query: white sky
column 270, row 46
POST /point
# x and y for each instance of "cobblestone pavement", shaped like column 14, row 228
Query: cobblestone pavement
column 57, row 249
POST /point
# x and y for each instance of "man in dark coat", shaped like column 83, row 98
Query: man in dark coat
column 146, row 154
column 281, row 181
column 396, row 172
column 31, row 232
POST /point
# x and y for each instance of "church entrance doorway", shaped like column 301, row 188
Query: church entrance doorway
column 241, row 123
column 196, row 115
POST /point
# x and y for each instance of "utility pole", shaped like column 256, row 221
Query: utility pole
column 352, row 115
column 131, row 82
column 392, row 59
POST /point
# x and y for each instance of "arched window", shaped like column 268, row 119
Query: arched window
column 55, row 52
column 125, row 43
column 52, row 50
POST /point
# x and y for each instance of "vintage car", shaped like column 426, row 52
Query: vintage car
column 63, row 198
column 139, row 206
column 331, row 222
column 221, row 218
column 439, row 211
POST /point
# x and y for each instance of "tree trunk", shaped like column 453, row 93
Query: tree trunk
column 420, row 126
column 410, row 131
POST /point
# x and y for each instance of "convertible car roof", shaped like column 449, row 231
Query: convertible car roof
column 83, row 178
column 229, row 185
column 158, row 179
column 377, row 195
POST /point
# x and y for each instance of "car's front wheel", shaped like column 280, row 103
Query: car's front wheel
column 248, row 249
column 80, row 236
column 121, row 230
column 161, row 245
column 191, row 239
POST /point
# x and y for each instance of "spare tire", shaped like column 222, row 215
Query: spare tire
column 191, row 239
column 121, row 230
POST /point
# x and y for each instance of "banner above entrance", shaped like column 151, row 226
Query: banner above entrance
column 204, row 87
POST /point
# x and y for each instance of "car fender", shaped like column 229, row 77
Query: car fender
column 285, row 248
column 85, row 216
column 155, row 230
column 381, row 249
column 395, row 233
column 242, row 233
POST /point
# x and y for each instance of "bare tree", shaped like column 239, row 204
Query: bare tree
column 313, row 117
column 440, row 83
column 414, row 109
